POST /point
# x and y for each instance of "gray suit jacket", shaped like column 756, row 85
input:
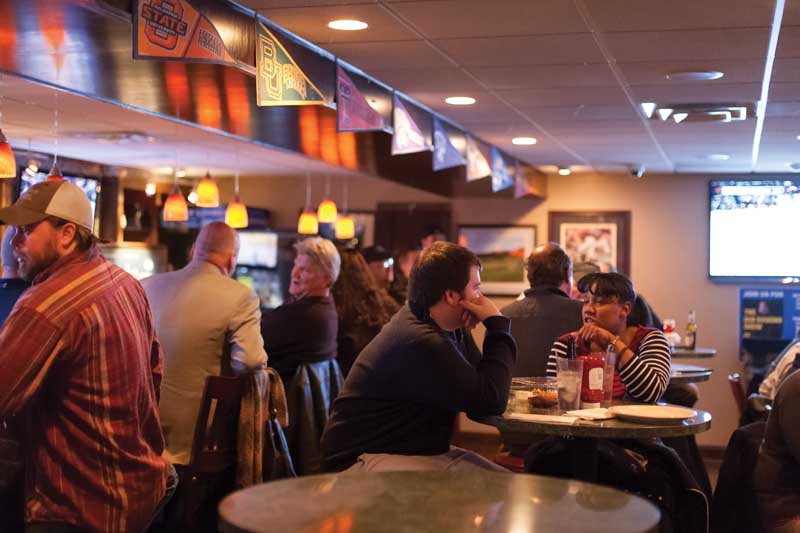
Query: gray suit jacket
column 199, row 314
column 537, row 320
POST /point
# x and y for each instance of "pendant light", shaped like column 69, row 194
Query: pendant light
column 345, row 227
column 308, row 224
column 326, row 212
column 236, row 213
column 8, row 165
column 55, row 172
column 207, row 192
column 175, row 208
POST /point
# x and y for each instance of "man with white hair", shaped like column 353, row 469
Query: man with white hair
column 11, row 284
column 81, row 365
column 208, row 324
column 304, row 330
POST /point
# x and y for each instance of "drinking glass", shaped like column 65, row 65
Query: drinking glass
column 608, row 377
column 569, row 377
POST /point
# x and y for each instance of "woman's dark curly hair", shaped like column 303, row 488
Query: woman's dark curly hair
column 608, row 285
column 357, row 296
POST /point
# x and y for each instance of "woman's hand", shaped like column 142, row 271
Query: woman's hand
column 594, row 337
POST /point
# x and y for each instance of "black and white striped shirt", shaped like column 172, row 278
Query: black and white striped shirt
column 645, row 375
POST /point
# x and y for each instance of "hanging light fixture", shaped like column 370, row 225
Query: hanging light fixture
column 55, row 172
column 207, row 192
column 345, row 227
column 175, row 208
column 308, row 224
column 8, row 165
column 326, row 212
column 236, row 213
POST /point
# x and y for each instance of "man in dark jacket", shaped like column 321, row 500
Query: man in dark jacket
column 11, row 284
column 407, row 386
column 546, row 312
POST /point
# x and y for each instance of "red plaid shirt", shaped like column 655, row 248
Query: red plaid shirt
column 79, row 354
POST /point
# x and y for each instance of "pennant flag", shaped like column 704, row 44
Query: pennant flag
column 521, row 187
column 173, row 29
column 352, row 110
column 407, row 138
column 501, row 178
column 279, row 81
column 445, row 155
column 477, row 166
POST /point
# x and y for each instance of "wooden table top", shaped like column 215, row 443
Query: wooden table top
column 697, row 353
column 422, row 502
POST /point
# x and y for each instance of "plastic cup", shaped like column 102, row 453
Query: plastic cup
column 569, row 378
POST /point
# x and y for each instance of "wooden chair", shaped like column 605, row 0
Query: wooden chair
column 737, row 387
column 209, row 474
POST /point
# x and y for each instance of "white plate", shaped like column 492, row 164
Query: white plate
column 653, row 414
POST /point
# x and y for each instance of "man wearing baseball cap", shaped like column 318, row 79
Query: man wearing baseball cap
column 81, row 366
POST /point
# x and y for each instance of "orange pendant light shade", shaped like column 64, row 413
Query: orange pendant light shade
column 207, row 192
column 345, row 228
column 8, row 165
column 236, row 214
column 175, row 208
column 55, row 173
column 327, row 212
column 308, row 223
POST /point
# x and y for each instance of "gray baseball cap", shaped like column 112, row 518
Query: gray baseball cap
column 60, row 199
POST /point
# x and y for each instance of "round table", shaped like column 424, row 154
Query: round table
column 681, row 374
column 421, row 502
column 697, row 353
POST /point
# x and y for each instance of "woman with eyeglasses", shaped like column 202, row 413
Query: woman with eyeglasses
column 643, row 353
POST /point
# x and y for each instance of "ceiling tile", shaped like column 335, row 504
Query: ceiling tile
column 701, row 93
column 478, row 18
column 398, row 54
column 786, row 70
column 750, row 43
column 444, row 80
column 659, row 15
column 546, row 76
column 784, row 92
column 788, row 42
column 582, row 113
column 267, row 4
column 527, row 98
column 312, row 23
column 514, row 51
column 655, row 73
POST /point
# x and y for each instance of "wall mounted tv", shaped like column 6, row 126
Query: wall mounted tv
column 753, row 231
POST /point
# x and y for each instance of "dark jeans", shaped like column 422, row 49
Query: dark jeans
column 58, row 527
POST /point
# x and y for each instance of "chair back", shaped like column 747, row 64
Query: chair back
column 214, row 443
column 737, row 388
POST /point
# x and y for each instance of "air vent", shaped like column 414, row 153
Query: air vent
column 701, row 112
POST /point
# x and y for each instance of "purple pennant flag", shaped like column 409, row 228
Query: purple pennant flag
column 477, row 166
column 407, row 138
column 445, row 155
column 352, row 110
column 501, row 177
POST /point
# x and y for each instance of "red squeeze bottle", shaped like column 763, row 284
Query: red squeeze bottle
column 592, row 385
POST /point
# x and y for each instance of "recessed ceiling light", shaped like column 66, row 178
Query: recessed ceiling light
column 347, row 25
column 648, row 108
column 460, row 100
column 664, row 113
column 695, row 75
column 798, row 137
column 523, row 141
column 718, row 157
column 564, row 171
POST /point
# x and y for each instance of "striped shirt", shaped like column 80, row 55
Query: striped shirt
column 644, row 377
column 81, row 363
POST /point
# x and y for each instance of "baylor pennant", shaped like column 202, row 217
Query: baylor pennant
column 279, row 81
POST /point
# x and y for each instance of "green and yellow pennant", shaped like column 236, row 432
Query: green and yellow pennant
column 279, row 81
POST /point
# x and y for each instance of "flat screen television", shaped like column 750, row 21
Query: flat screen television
column 752, row 227
column 258, row 249
column 87, row 185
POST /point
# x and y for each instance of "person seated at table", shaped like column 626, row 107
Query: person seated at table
column 360, row 306
column 402, row 396
column 781, row 367
column 643, row 354
column 304, row 329
column 777, row 473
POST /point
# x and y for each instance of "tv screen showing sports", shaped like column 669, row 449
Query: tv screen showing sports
column 258, row 248
column 751, row 230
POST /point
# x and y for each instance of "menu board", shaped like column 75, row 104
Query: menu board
column 769, row 314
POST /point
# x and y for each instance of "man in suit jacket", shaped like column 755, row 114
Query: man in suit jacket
column 206, row 322
column 546, row 312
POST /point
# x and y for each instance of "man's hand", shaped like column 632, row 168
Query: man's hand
column 468, row 320
column 594, row 337
column 482, row 307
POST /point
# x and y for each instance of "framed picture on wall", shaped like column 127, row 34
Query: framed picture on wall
column 601, row 237
column 502, row 251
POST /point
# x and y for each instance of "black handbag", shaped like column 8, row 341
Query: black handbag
column 277, row 459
